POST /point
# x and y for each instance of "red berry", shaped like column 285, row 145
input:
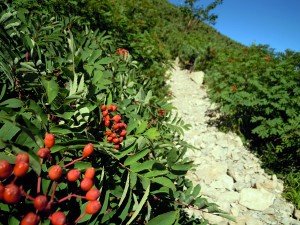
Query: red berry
column 122, row 126
column 11, row 194
column 110, row 108
column 116, row 147
column 109, row 139
column 114, row 108
column 90, row 172
column 58, row 218
column 30, row 219
column 73, row 175
column 20, row 169
column 108, row 132
column 103, row 107
column 116, row 140
column 105, row 113
column 86, row 184
column 43, row 153
column 121, row 139
column 106, row 123
column 40, row 202
column 55, row 172
column 123, row 133
column 93, row 207
column 22, row 157
column 5, row 169
column 92, row 194
column 49, row 140
column 88, row 150
column 113, row 135
column 116, row 127
column 116, row 118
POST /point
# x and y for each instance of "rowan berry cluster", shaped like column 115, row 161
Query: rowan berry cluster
column 44, row 203
column 122, row 52
column 116, row 129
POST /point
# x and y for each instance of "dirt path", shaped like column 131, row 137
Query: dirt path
column 228, row 173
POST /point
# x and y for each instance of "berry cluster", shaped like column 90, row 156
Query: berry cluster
column 43, row 203
column 122, row 52
column 116, row 129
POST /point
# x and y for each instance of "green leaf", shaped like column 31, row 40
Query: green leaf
column 51, row 89
column 13, row 220
column 142, row 142
column 135, row 157
column 125, row 190
column 156, row 173
column 9, row 158
column 196, row 190
column 39, row 113
column 167, row 218
column 95, row 55
column 152, row 133
column 105, row 60
column 133, row 179
column 148, row 97
column 8, row 131
column 140, row 206
column 140, row 95
column 12, row 103
column 165, row 182
column 182, row 167
column 5, row 16
column 60, row 130
column 15, row 24
column 29, row 66
column 142, row 127
column 137, row 167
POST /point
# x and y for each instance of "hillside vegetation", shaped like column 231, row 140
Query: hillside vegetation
column 84, row 101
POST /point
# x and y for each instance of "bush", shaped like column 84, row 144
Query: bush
column 81, row 85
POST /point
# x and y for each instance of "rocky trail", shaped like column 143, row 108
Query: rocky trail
column 229, row 174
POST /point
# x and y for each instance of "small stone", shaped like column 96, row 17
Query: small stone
column 256, row 199
column 229, row 196
column 219, row 153
column 266, row 185
column 297, row 214
column 209, row 173
column 238, row 186
column 235, row 211
column 252, row 221
column 197, row 77
column 222, row 182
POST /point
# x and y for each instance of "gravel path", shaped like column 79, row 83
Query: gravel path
column 228, row 173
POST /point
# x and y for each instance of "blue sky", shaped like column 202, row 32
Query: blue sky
column 272, row 22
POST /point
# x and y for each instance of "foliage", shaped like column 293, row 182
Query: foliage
column 195, row 13
column 258, row 93
column 292, row 188
column 56, row 73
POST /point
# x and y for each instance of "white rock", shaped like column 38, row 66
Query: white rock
column 256, row 199
column 229, row 196
column 222, row 182
column 197, row 77
column 239, row 185
column 219, row 153
column 297, row 214
column 209, row 173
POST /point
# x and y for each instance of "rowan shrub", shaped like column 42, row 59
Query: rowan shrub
column 57, row 76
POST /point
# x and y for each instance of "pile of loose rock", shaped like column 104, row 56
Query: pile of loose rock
column 228, row 173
